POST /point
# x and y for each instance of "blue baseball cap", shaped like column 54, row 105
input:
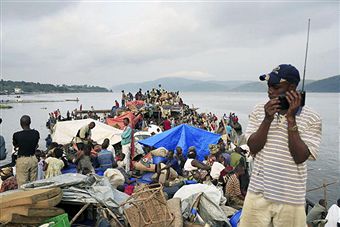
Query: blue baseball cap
column 284, row 72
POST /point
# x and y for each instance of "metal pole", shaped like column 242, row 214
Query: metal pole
column 304, row 69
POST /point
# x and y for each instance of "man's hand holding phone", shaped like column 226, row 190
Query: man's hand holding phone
column 294, row 99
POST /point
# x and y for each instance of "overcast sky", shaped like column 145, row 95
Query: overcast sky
column 108, row 43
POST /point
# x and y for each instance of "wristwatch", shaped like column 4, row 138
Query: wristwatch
column 293, row 129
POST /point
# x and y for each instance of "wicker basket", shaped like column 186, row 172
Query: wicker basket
column 148, row 207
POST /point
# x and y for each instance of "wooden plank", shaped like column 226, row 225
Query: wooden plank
column 8, row 214
column 49, row 202
column 34, row 212
column 20, row 219
column 27, row 197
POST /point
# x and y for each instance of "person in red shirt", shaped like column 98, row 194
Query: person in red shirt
column 166, row 124
column 116, row 104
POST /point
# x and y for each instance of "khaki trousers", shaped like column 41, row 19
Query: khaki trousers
column 26, row 169
column 260, row 212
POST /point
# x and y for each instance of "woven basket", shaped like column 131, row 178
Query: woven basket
column 148, row 207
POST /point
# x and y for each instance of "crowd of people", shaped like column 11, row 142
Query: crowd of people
column 270, row 189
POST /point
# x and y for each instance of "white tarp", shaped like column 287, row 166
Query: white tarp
column 214, row 194
column 64, row 131
column 210, row 198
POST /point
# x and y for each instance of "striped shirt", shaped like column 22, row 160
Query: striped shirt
column 275, row 173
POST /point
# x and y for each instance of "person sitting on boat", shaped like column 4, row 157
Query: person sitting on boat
column 83, row 161
column 237, row 157
column 9, row 181
column 233, row 188
column 217, row 166
column 181, row 159
column 229, row 130
column 116, row 104
column 105, row 157
column 164, row 173
column 214, row 150
column 54, row 164
column 166, row 124
column 194, row 169
column 84, row 135
column 171, row 161
column 316, row 213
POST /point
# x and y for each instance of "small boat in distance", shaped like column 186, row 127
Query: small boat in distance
column 72, row 100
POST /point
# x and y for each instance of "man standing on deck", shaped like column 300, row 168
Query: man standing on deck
column 26, row 143
column 281, row 140
column 126, row 143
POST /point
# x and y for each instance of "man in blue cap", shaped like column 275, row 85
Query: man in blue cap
column 281, row 140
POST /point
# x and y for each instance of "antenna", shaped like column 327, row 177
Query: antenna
column 304, row 69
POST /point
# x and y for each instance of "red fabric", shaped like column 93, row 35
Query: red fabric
column 129, row 189
column 119, row 120
column 167, row 124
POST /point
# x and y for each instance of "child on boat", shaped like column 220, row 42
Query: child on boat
column 54, row 164
column 84, row 164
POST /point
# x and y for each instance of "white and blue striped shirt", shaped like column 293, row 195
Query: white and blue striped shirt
column 275, row 173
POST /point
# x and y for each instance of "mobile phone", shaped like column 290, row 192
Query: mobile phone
column 284, row 105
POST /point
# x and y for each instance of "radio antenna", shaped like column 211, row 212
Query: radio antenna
column 304, row 69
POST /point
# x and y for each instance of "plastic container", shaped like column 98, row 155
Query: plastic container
column 59, row 221
column 235, row 218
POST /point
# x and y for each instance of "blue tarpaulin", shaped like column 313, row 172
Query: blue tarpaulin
column 184, row 136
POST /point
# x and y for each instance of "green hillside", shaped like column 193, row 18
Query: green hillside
column 330, row 84
column 8, row 87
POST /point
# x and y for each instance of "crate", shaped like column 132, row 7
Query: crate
column 148, row 207
column 59, row 221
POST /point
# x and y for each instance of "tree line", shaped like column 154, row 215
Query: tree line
column 8, row 86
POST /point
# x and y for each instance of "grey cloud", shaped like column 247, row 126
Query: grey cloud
column 266, row 21
column 134, row 41
column 30, row 10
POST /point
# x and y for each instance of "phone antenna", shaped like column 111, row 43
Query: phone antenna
column 304, row 68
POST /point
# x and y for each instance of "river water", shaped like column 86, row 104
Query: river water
column 327, row 167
